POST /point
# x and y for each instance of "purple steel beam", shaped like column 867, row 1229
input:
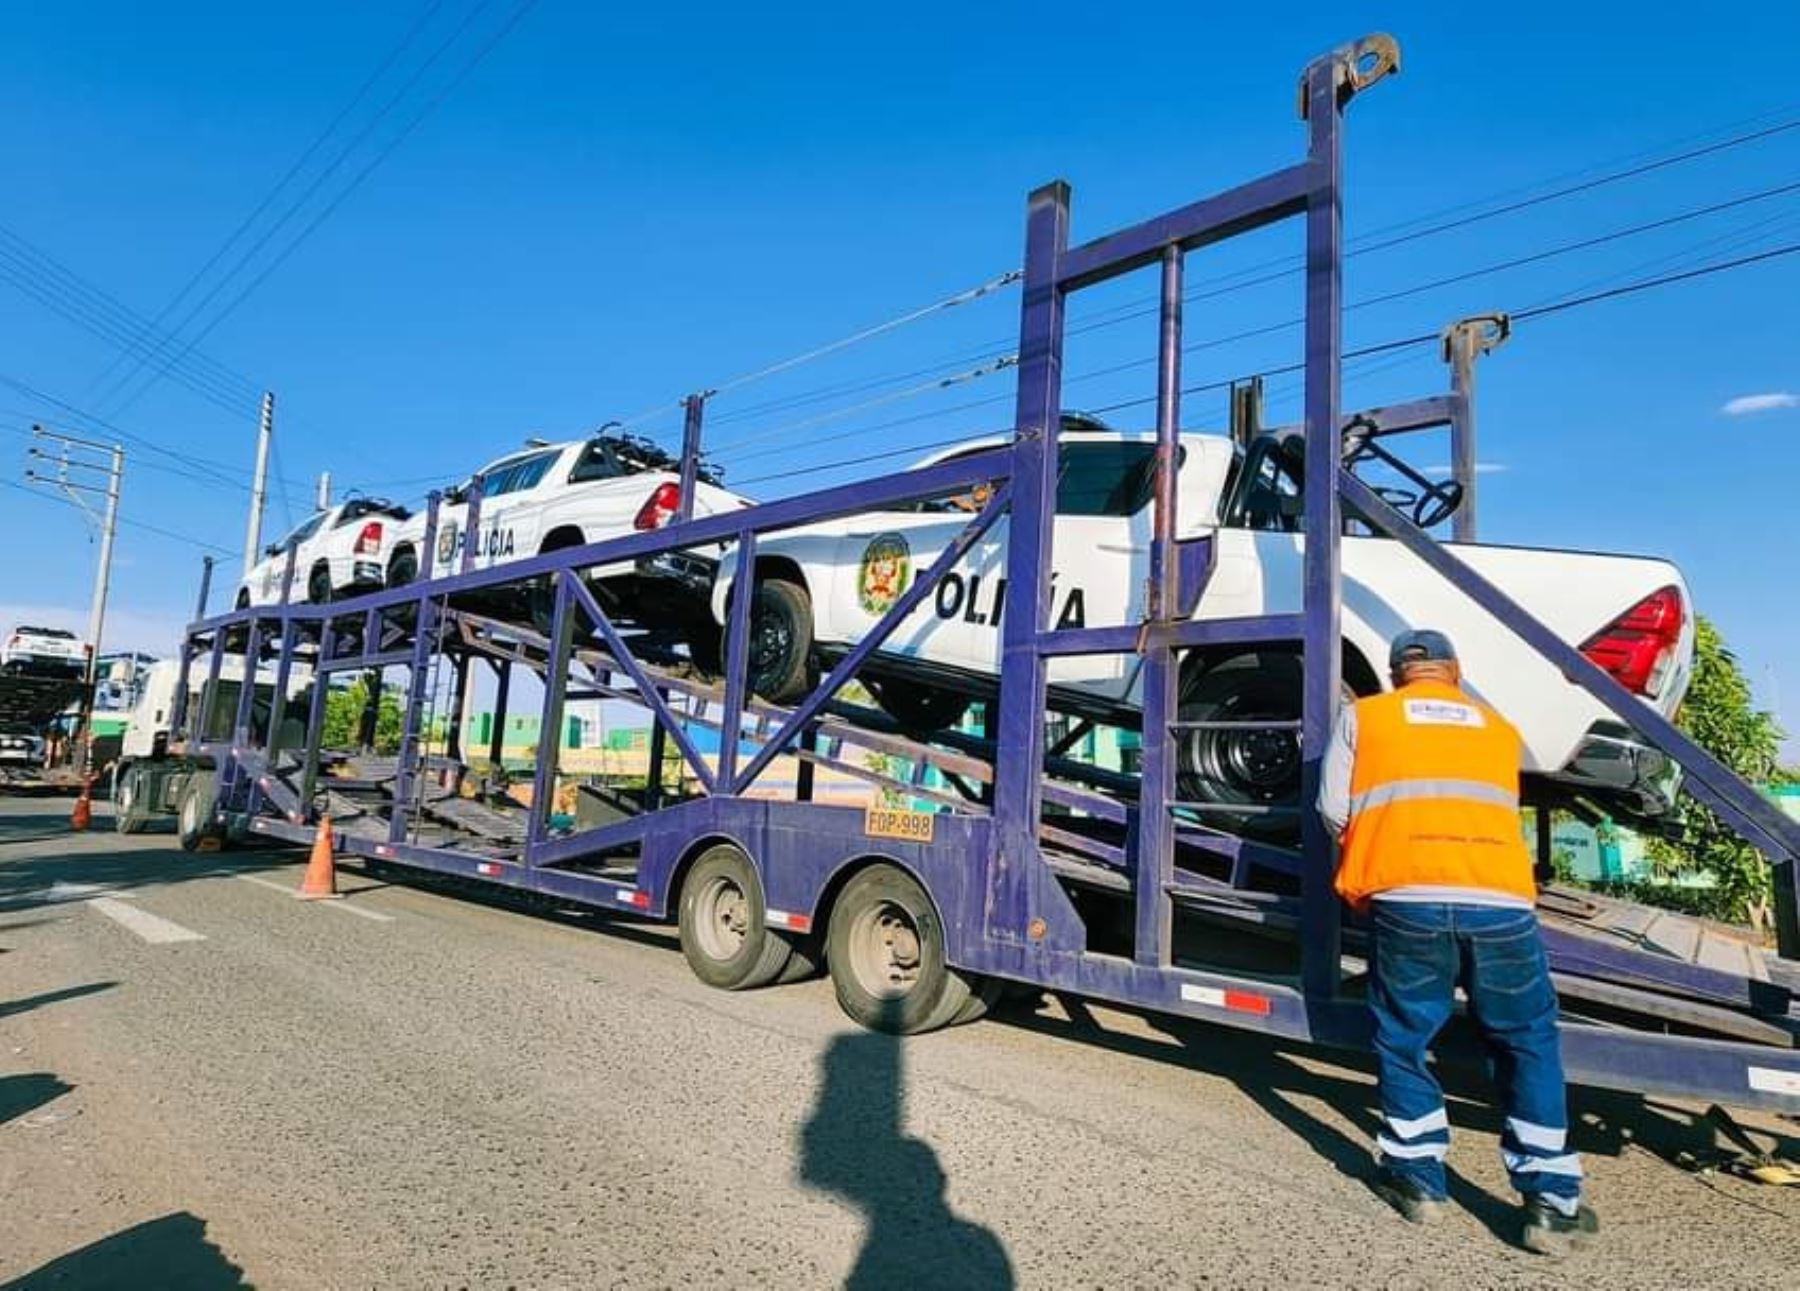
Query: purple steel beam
column 651, row 695
column 1127, row 639
column 287, row 573
column 871, row 641
column 206, row 573
column 1213, row 219
column 1595, row 955
column 1321, row 935
column 1012, row 871
column 1153, row 852
column 424, row 625
column 556, row 682
column 737, row 660
column 315, row 720
column 693, row 413
column 471, row 529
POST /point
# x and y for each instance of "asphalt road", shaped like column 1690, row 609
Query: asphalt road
column 205, row 1083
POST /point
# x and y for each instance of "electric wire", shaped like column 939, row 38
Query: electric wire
column 1383, row 239
column 124, row 521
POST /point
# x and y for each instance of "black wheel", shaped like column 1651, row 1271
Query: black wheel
column 1243, row 766
column 195, row 824
column 781, row 639
column 403, row 567
column 129, row 813
column 723, row 923
column 885, row 950
column 919, row 707
column 318, row 584
column 243, row 598
column 706, row 648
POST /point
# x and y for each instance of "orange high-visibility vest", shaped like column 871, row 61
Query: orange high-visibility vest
column 1434, row 797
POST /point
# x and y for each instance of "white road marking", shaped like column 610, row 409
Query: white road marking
column 156, row 931
column 59, row 892
column 345, row 906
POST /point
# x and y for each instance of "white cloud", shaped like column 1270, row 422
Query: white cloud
column 1481, row 468
column 152, row 633
column 1747, row 404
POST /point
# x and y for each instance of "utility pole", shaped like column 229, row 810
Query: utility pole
column 1465, row 341
column 322, row 501
column 259, row 481
column 74, row 454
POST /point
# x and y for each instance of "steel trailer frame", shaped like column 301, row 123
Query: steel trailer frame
column 1000, row 875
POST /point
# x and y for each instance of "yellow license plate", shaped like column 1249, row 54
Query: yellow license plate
column 889, row 822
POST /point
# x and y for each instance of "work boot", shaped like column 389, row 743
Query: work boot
column 1409, row 1197
column 1549, row 1231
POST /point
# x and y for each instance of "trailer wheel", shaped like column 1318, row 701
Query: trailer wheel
column 1243, row 766
column 129, row 816
column 724, row 929
column 885, row 951
column 781, row 641
column 195, row 823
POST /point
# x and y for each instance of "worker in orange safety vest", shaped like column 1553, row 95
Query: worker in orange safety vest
column 1422, row 786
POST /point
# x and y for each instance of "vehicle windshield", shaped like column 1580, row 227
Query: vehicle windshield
column 1096, row 478
column 305, row 531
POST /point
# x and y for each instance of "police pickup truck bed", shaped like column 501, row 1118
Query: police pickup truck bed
column 821, row 587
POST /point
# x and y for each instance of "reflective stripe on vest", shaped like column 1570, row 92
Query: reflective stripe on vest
column 1404, row 790
column 1434, row 797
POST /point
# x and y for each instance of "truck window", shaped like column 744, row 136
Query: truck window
column 1105, row 478
column 597, row 462
column 518, row 474
column 305, row 531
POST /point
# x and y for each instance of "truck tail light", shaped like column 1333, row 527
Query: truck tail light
column 368, row 542
column 1638, row 648
column 659, row 508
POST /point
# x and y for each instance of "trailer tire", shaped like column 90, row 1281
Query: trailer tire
column 129, row 816
column 724, row 925
column 885, row 949
column 781, row 641
column 196, row 825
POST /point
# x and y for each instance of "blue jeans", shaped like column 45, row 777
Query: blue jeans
column 1422, row 952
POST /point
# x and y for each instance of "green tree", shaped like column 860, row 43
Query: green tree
column 1720, row 715
column 343, row 716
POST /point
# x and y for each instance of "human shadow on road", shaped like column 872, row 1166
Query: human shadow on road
column 854, row 1147
column 11, row 1008
column 170, row 1252
column 28, row 1091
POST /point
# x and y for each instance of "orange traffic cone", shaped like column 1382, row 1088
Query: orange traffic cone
column 83, row 815
column 320, row 883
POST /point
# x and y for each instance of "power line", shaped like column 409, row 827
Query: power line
column 268, row 198
column 355, row 182
column 124, row 520
column 1290, row 265
column 45, row 279
column 963, row 297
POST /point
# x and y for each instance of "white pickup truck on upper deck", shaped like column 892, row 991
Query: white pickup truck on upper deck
column 821, row 587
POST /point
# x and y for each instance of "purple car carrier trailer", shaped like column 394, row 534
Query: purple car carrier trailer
column 1031, row 869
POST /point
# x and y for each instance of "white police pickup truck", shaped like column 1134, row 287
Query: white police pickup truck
column 548, row 497
column 43, row 652
column 820, row 588
column 340, row 551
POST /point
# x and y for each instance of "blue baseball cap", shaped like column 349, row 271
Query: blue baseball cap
column 1421, row 645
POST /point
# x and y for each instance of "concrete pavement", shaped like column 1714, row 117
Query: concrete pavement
column 411, row 1088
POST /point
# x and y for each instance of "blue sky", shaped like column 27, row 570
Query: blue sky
column 613, row 209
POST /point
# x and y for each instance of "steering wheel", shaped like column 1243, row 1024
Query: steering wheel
column 1438, row 504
